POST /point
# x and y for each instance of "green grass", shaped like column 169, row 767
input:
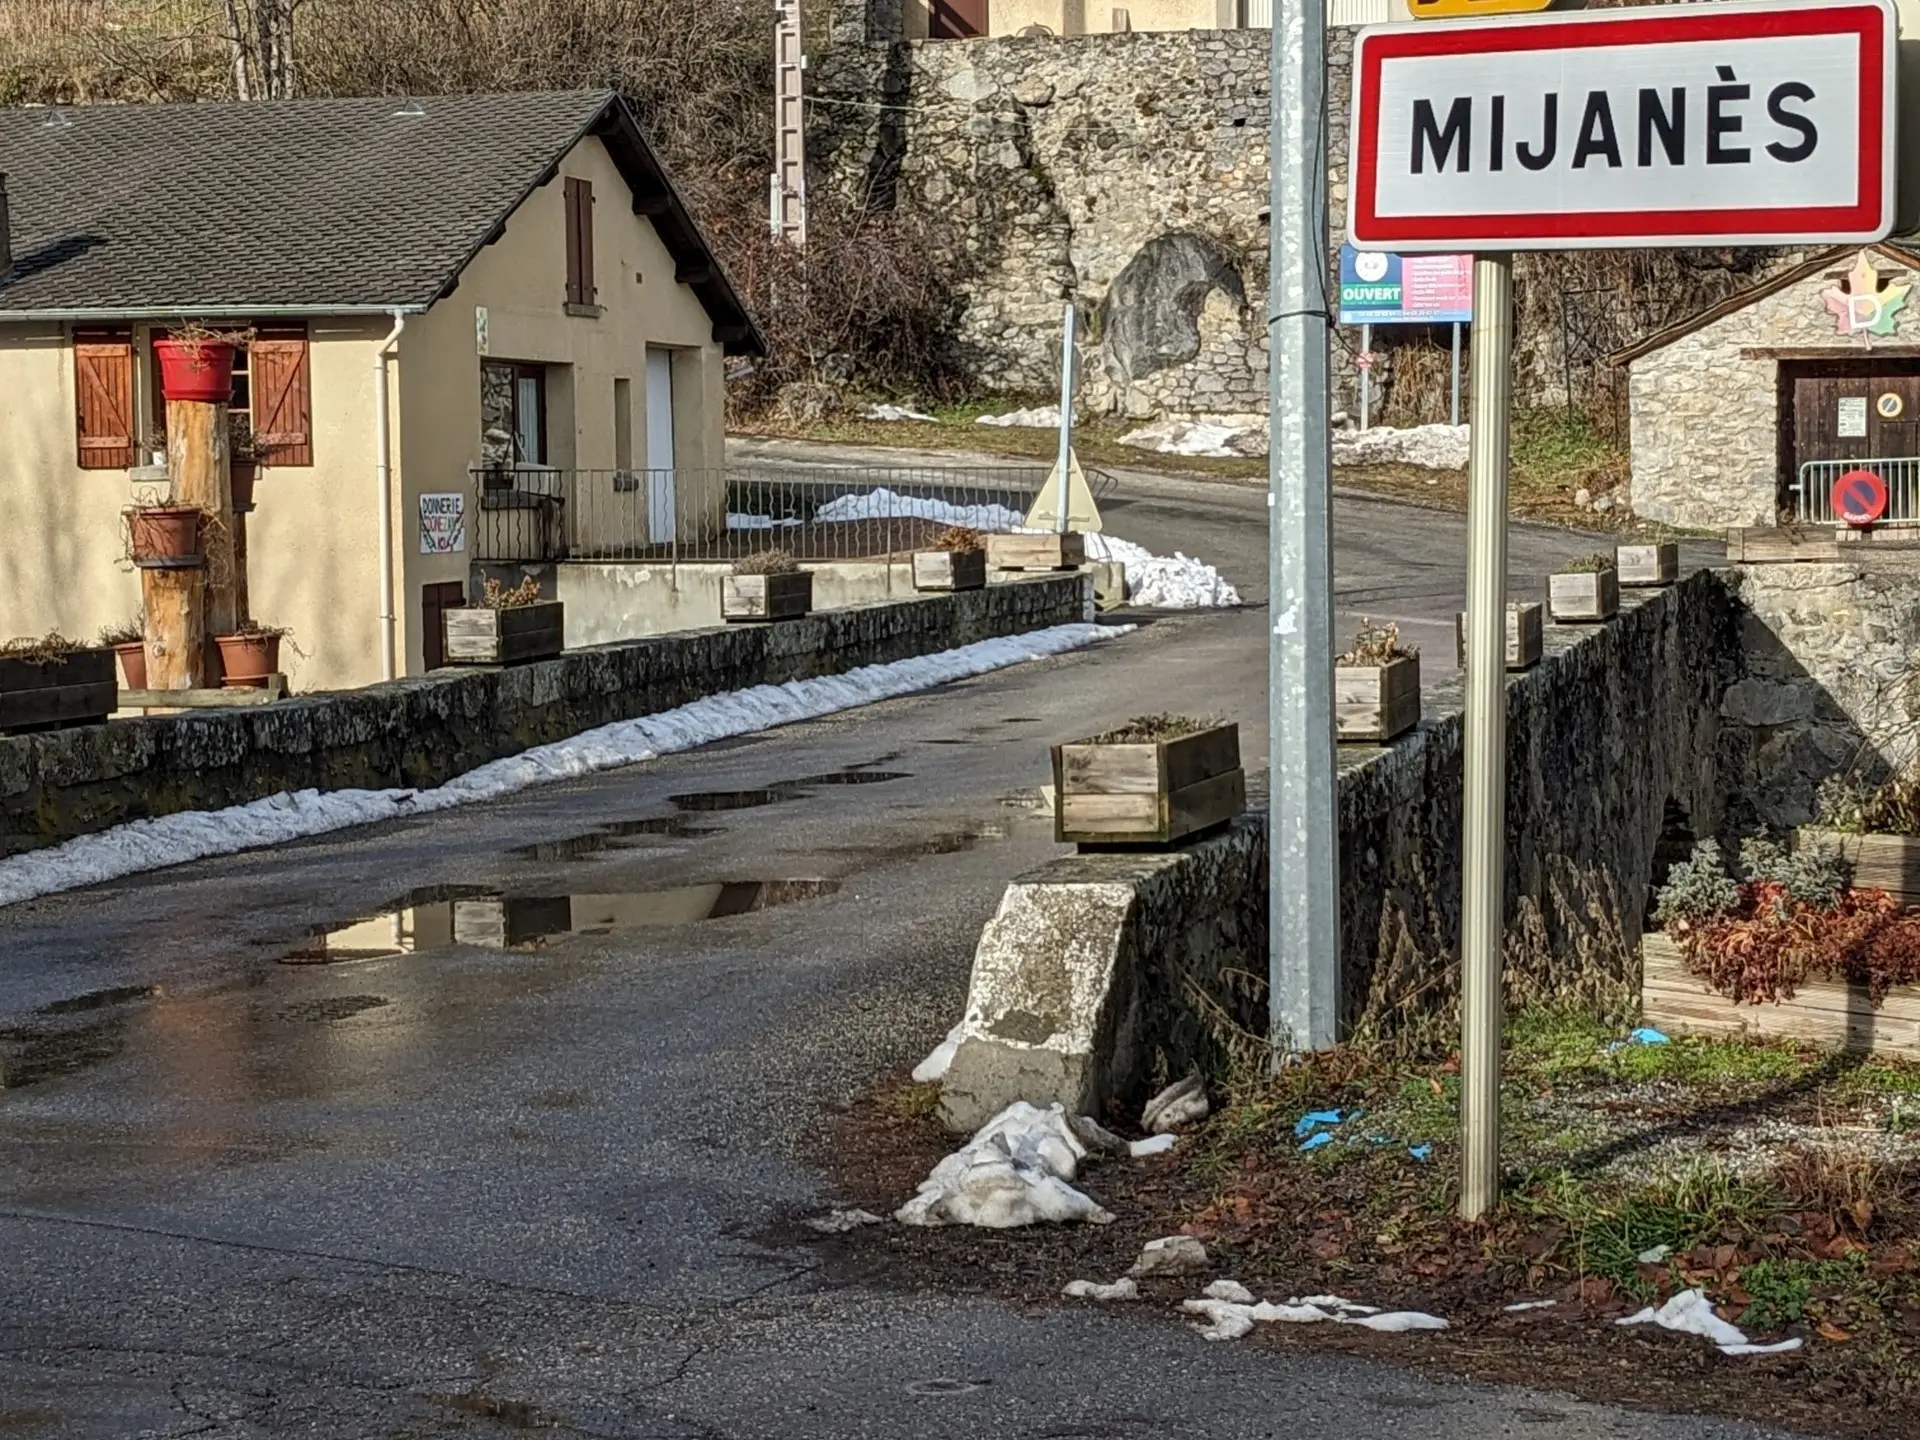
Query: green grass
column 1782, row 1289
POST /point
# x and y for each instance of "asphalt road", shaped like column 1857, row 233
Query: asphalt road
column 480, row 1191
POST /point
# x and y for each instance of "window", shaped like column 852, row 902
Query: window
column 103, row 398
column 272, row 392
column 580, row 286
column 513, row 413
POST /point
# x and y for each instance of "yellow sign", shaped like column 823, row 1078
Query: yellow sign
column 1454, row 9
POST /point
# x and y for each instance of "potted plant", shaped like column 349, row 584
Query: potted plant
column 128, row 640
column 1875, row 829
column 52, row 683
column 1646, row 565
column 165, row 536
column 1376, row 685
column 243, row 456
column 1784, row 944
column 196, row 362
column 956, row 559
column 766, row 585
column 250, row 657
column 510, row 626
column 1156, row 780
column 1048, row 550
column 1584, row 590
column 1525, row 632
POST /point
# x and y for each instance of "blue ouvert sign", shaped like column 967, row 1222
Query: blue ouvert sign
column 1381, row 288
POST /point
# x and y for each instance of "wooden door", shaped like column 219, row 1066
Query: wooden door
column 1856, row 410
column 958, row 19
column 435, row 601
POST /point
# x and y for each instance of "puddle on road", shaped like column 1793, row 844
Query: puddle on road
column 612, row 837
column 35, row 1052
column 415, row 925
column 782, row 791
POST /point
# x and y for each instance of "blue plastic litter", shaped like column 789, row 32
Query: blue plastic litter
column 1313, row 1120
column 1645, row 1035
column 1314, row 1142
column 1420, row 1152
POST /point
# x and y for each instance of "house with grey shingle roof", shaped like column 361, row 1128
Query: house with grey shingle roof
column 435, row 287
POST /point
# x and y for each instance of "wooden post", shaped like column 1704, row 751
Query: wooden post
column 198, row 455
column 175, row 601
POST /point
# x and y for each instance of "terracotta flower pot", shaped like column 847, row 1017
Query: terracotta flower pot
column 133, row 663
column 199, row 370
column 247, row 660
column 164, row 533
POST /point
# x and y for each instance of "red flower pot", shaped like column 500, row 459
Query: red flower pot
column 164, row 533
column 133, row 663
column 195, row 370
column 247, row 660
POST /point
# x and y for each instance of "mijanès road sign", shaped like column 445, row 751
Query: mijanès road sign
column 1748, row 124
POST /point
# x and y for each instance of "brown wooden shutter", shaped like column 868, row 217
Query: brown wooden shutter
column 580, row 286
column 103, row 398
column 282, row 400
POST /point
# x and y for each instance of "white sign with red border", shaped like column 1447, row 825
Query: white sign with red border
column 1745, row 124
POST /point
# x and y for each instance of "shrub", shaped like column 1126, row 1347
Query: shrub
column 766, row 562
column 1377, row 645
column 1698, row 889
column 1592, row 564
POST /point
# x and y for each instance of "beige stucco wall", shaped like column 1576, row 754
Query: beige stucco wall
column 1705, row 417
column 520, row 281
column 61, row 568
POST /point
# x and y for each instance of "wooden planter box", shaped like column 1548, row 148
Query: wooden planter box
column 1880, row 862
column 1585, row 597
column 1821, row 1012
column 82, row 689
column 949, row 569
column 766, row 597
column 1037, row 552
column 1647, row 564
column 1153, row 792
column 479, row 636
column 1526, row 627
column 1376, row 702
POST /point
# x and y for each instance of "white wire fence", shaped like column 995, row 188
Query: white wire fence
column 1816, row 487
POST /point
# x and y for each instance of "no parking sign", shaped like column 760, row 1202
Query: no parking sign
column 1860, row 497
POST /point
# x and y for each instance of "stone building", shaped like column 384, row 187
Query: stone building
column 1751, row 409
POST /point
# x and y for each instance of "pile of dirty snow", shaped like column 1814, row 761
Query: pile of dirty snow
column 884, row 504
column 759, row 522
column 1218, row 436
column 193, row 835
column 1041, row 417
column 1162, row 582
column 1017, row 1170
column 1429, row 447
column 895, row 413
column 1691, row 1313
column 1229, row 1311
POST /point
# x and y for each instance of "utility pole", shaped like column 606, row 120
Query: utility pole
column 1303, row 835
column 789, row 182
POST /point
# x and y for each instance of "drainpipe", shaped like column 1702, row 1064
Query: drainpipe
column 383, row 481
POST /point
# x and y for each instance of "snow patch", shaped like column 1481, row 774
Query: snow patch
column 895, row 413
column 1218, row 436
column 839, row 1222
column 1013, row 1172
column 1158, row 582
column 1041, row 417
column 1691, row 1313
column 1429, row 447
column 884, row 504
column 196, row 834
column 936, row 1065
column 760, row 522
column 1230, row 1318
column 1152, row 1145
column 1529, row 1305
column 1089, row 1290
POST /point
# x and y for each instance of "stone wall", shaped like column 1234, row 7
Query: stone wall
column 1832, row 682
column 424, row 731
column 1103, row 974
column 1126, row 172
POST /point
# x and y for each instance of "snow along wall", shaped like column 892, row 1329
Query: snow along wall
column 426, row 730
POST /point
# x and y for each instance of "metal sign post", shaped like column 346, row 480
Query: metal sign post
column 1065, row 463
column 1483, row 808
column 1303, row 851
column 1453, row 393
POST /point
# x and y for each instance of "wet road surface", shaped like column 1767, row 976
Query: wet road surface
column 466, row 1124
